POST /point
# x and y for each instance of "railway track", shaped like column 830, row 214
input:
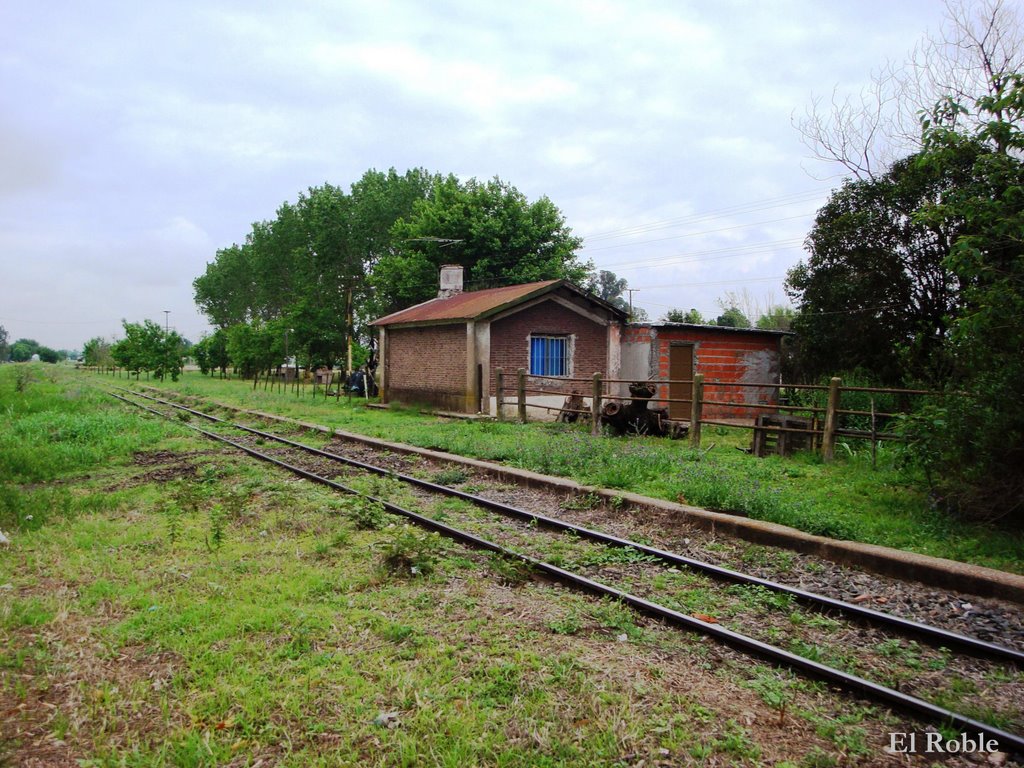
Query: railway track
column 656, row 582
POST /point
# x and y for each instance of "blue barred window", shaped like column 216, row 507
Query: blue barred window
column 549, row 356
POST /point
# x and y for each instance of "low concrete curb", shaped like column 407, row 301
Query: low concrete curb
column 933, row 571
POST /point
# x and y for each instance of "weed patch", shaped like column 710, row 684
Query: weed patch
column 365, row 514
column 509, row 570
column 406, row 551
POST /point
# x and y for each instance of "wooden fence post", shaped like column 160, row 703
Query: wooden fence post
column 828, row 440
column 521, row 393
column 695, row 409
column 499, row 392
column 595, row 406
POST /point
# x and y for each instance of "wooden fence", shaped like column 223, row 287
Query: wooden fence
column 821, row 427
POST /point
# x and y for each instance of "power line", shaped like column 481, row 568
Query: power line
column 713, row 282
column 714, row 254
column 55, row 322
column 752, row 207
column 702, row 232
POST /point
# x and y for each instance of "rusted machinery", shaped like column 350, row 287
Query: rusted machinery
column 636, row 417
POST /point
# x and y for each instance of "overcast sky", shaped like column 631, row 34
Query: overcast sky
column 138, row 138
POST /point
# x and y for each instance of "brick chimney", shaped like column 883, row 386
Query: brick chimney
column 451, row 281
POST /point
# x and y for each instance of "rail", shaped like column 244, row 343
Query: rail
column 898, row 700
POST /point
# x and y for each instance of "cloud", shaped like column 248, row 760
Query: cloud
column 29, row 162
column 136, row 141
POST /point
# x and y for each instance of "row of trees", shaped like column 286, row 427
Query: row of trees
column 145, row 348
column 915, row 270
column 333, row 260
column 23, row 350
column 775, row 318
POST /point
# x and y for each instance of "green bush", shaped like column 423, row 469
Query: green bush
column 406, row 551
column 367, row 515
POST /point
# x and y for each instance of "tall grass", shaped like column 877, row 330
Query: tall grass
column 53, row 430
column 54, row 427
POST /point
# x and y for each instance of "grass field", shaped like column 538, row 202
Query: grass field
column 164, row 602
column 847, row 499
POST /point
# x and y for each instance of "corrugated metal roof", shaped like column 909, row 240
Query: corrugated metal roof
column 466, row 306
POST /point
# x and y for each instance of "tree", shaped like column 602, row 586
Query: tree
column 4, row 347
column 148, row 347
column 96, row 352
column 256, row 346
column 732, row 317
column 693, row 317
column 211, row 352
column 943, row 235
column 610, row 287
column 490, row 228
column 972, row 441
column 226, row 291
column 308, row 267
column 23, row 349
column 875, row 292
column 777, row 318
column 978, row 47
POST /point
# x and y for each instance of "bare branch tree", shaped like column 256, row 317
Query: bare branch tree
column 978, row 49
column 850, row 130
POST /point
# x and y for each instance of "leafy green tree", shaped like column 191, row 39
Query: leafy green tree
column 211, row 353
column 693, row 317
column 4, row 346
column 732, row 317
column 488, row 227
column 23, row 349
column 96, row 352
column 256, row 346
column 876, row 292
column 379, row 199
column 226, row 291
column 331, row 261
column 972, row 442
column 610, row 287
column 332, row 273
column 777, row 318
column 148, row 347
column 48, row 355
column 309, row 266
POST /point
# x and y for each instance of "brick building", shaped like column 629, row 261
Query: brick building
column 444, row 352
column 676, row 351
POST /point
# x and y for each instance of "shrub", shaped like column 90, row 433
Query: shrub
column 409, row 552
column 366, row 514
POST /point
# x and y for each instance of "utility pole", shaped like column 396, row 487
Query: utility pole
column 631, row 291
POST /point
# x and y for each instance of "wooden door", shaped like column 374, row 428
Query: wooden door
column 680, row 368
